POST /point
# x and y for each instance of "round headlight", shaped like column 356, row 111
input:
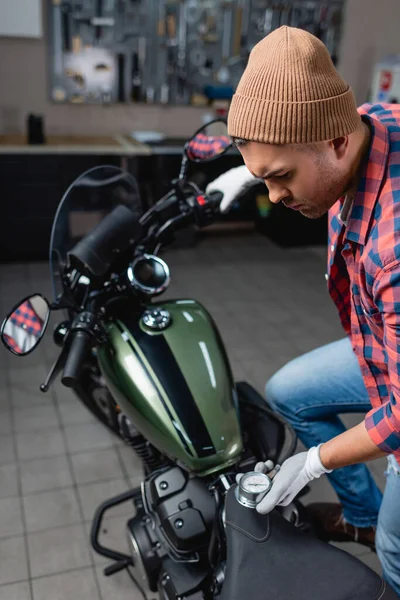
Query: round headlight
column 149, row 274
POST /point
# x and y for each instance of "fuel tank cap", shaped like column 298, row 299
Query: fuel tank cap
column 156, row 319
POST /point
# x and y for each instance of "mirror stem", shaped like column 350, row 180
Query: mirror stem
column 183, row 170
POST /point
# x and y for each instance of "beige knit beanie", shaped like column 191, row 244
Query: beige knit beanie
column 290, row 93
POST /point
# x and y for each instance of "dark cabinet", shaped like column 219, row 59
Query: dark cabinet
column 31, row 186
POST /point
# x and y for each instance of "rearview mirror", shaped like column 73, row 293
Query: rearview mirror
column 209, row 142
column 24, row 327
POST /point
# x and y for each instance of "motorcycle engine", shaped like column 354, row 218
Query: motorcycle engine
column 170, row 535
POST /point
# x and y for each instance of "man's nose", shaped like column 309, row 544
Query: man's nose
column 277, row 193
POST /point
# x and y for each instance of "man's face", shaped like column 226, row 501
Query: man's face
column 308, row 179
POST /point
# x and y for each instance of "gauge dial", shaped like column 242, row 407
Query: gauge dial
column 256, row 483
column 252, row 489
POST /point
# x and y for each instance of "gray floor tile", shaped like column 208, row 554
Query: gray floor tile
column 320, row 491
column 8, row 480
column 132, row 462
column 22, row 398
column 351, row 420
column 51, row 509
column 13, row 562
column 7, row 454
column 26, row 378
column 95, row 493
column 34, row 360
column 40, row 444
column 57, row 550
column 5, row 423
column 5, row 399
column 88, row 436
column 351, row 547
column 15, row 591
column 37, row 417
column 119, row 586
column 98, row 465
column 76, row 585
column 63, row 394
column 74, row 412
column 372, row 561
column 45, row 474
column 10, row 517
column 113, row 534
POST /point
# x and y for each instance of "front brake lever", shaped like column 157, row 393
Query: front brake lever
column 55, row 369
column 169, row 225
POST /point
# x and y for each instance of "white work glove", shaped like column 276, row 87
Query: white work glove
column 232, row 184
column 295, row 473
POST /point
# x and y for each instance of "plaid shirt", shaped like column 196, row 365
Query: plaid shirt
column 203, row 146
column 364, row 273
column 25, row 316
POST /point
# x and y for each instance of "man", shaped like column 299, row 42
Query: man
column 296, row 125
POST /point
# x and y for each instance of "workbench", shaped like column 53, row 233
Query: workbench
column 119, row 145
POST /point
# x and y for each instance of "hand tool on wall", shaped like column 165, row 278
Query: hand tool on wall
column 197, row 56
column 66, row 10
column 267, row 24
column 77, row 44
column 157, row 29
column 171, row 29
column 193, row 12
column 223, row 73
column 136, row 83
column 58, row 92
column 121, row 77
column 181, row 62
column 237, row 37
column 295, row 16
column 244, row 5
column 285, row 14
column 171, row 44
column 99, row 14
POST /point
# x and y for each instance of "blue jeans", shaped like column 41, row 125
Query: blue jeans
column 310, row 392
column 388, row 532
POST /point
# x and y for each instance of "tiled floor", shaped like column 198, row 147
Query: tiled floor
column 57, row 463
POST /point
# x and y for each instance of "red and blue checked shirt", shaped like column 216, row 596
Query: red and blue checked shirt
column 364, row 273
column 204, row 146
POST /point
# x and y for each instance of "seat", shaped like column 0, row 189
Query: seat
column 270, row 559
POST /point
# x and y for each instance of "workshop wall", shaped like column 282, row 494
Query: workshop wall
column 369, row 33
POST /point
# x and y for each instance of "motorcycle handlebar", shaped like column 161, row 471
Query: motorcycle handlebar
column 215, row 198
column 79, row 348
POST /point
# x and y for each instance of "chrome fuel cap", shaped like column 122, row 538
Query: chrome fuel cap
column 156, row 319
column 252, row 488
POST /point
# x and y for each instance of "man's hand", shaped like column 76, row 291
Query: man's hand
column 232, row 184
column 295, row 473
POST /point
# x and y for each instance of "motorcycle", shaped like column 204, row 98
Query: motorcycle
column 157, row 374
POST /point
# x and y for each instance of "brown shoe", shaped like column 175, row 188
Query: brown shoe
column 330, row 525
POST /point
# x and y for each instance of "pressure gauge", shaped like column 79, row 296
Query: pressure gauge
column 252, row 488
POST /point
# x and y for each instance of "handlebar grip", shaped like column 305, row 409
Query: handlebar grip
column 215, row 198
column 78, row 350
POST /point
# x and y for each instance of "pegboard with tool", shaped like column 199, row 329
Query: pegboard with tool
column 168, row 51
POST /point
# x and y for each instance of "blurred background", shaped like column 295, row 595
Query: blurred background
column 126, row 83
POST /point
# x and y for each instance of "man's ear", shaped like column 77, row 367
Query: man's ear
column 340, row 146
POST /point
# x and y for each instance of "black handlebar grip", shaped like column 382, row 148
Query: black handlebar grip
column 215, row 198
column 79, row 349
column 95, row 253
